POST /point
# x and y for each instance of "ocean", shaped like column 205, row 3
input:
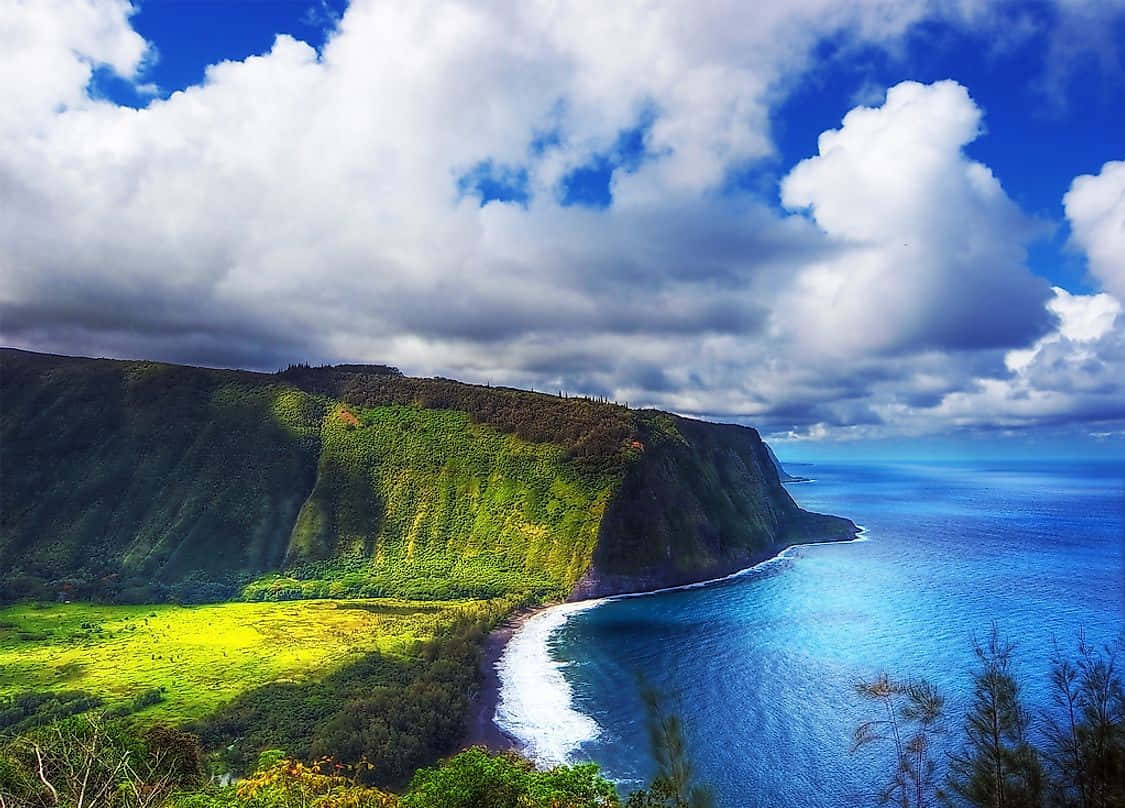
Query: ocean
column 761, row 667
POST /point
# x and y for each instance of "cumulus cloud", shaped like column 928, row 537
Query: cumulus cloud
column 321, row 206
column 1076, row 373
column 934, row 249
column 1095, row 206
column 51, row 48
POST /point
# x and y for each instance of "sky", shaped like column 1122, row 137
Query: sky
column 896, row 225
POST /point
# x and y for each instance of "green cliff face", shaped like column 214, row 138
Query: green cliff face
column 140, row 481
column 702, row 502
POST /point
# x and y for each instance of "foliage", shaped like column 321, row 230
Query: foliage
column 288, row 783
column 21, row 711
column 674, row 785
column 589, row 429
column 128, row 480
column 138, row 482
column 997, row 766
column 88, row 761
column 172, row 663
column 423, row 504
column 912, row 714
column 472, row 779
column 397, row 712
column 704, row 499
column 1085, row 749
column 476, row 779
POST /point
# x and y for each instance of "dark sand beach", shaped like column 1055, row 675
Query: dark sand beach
column 482, row 730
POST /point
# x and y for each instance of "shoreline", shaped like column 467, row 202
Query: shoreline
column 482, row 729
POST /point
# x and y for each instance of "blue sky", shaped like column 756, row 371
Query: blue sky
column 629, row 203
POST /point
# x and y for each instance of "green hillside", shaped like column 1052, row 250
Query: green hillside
column 426, row 504
column 120, row 474
column 141, row 482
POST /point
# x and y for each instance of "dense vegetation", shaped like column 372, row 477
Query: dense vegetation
column 138, row 482
column 704, row 502
column 141, row 482
column 88, row 761
column 586, row 428
column 92, row 760
column 392, row 712
column 1072, row 756
column 425, row 504
column 378, row 683
column 134, row 480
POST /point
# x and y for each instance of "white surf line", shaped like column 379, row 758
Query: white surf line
column 860, row 535
column 535, row 704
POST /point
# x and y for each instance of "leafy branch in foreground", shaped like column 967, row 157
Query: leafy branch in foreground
column 912, row 715
column 1079, row 764
column 89, row 761
column 997, row 766
column 674, row 785
column 1085, row 751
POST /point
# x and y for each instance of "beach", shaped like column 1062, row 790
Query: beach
column 482, row 729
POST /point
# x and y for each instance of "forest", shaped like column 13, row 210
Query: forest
column 136, row 482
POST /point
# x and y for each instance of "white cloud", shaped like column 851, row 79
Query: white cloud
column 935, row 254
column 1075, row 373
column 1095, row 206
column 50, row 49
column 298, row 206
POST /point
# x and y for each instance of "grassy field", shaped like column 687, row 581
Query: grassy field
column 202, row 656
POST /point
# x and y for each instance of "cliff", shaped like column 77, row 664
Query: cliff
column 784, row 475
column 140, row 481
column 705, row 500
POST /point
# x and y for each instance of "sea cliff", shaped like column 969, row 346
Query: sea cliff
column 142, row 481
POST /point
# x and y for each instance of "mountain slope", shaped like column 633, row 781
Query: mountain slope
column 143, row 481
column 705, row 501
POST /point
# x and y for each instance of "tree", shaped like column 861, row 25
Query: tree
column 997, row 766
column 1085, row 747
column 87, row 761
column 476, row 779
column 283, row 783
column 674, row 785
column 912, row 715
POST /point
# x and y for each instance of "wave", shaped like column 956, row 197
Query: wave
column 535, row 705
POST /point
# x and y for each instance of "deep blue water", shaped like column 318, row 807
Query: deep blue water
column 762, row 668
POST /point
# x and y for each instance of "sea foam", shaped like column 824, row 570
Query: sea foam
column 535, row 704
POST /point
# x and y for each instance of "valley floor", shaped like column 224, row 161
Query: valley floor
column 200, row 657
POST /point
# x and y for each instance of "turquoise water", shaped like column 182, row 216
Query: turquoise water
column 761, row 668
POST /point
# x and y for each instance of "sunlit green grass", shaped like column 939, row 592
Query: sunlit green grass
column 201, row 656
